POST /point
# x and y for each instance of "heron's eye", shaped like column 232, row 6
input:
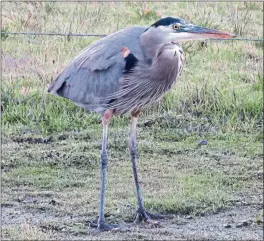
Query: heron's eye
column 175, row 26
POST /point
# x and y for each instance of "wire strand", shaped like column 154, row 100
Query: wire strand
column 103, row 35
column 55, row 34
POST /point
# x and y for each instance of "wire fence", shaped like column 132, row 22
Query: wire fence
column 104, row 35
column 55, row 34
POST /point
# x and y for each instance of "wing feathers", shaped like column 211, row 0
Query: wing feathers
column 95, row 72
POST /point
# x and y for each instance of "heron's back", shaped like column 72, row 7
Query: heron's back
column 94, row 74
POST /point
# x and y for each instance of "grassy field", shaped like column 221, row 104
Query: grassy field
column 50, row 148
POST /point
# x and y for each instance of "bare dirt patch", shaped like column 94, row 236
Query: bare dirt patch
column 236, row 223
column 212, row 192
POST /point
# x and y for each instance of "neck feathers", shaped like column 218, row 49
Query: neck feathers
column 150, row 41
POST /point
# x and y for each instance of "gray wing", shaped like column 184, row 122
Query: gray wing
column 95, row 72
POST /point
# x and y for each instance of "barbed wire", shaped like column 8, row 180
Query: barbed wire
column 104, row 35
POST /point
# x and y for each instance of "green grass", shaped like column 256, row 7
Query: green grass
column 218, row 98
column 25, row 232
column 222, row 80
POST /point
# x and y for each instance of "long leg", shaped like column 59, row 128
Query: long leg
column 141, row 212
column 133, row 153
column 102, row 225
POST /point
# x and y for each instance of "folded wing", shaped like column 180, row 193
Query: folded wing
column 94, row 74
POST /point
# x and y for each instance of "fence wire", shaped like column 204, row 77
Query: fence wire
column 104, row 35
column 55, row 34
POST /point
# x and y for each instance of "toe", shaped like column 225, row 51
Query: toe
column 108, row 227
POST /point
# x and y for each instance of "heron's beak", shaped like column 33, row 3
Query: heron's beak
column 208, row 33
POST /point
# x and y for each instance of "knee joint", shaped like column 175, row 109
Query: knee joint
column 104, row 159
column 133, row 145
column 133, row 151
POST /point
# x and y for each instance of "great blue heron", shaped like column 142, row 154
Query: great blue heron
column 99, row 80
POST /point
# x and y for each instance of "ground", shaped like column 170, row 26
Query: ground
column 200, row 147
column 51, row 186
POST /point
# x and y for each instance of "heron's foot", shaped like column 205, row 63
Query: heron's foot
column 107, row 227
column 143, row 215
column 103, row 226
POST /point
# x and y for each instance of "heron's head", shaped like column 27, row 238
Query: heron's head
column 177, row 29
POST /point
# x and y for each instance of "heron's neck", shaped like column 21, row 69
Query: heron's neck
column 150, row 43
